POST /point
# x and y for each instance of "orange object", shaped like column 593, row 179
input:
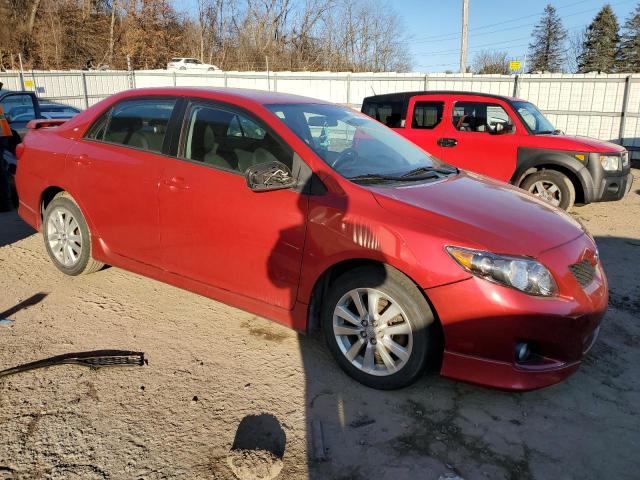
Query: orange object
column 5, row 129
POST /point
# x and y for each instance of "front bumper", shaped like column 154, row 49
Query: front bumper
column 482, row 323
column 614, row 187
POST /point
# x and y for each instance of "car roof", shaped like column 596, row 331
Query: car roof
column 405, row 96
column 261, row 97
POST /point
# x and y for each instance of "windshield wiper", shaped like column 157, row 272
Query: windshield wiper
column 374, row 177
column 437, row 171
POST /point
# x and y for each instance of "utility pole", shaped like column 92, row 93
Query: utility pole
column 463, row 45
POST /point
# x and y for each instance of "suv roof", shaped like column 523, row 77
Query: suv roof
column 405, row 96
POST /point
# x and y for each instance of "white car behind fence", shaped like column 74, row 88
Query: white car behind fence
column 180, row 63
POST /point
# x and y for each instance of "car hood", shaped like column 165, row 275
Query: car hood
column 477, row 212
column 574, row 142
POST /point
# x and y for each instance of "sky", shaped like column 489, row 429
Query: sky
column 505, row 25
column 433, row 26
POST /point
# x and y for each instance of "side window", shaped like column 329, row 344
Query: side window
column 18, row 107
column 388, row 113
column 479, row 117
column 137, row 123
column 229, row 140
column 427, row 114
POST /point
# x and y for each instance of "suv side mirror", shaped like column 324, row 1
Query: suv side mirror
column 269, row 176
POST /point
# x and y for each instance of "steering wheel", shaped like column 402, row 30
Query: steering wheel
column 347, row 154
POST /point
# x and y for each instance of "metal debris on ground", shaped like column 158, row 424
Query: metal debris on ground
column 5, row 322
column 95, row 359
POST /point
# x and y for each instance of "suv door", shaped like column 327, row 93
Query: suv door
column 116, row 170
column 216, row 230
column 20, row 108
column 482, row 137
column 424, row 124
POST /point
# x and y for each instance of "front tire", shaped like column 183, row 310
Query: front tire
column 551, row 186
column 67, row 237
column 379, row 327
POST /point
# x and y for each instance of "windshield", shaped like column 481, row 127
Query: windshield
column 534, row 119
column 353, row 144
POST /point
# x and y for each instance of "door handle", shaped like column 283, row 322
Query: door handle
column 447, row 142
column 82, row 160
column 176, row 183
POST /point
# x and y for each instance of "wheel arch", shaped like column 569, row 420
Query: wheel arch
column 334, row 271
column 569, row 166
column 50, row 192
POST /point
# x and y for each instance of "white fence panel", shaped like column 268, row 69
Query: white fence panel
column 602, row 106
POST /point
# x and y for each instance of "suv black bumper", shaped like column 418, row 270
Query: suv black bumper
column 613, row 187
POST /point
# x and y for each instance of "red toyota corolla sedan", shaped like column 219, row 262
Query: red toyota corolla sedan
column 312, row 214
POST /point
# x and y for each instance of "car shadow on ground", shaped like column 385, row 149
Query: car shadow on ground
column 14, row 228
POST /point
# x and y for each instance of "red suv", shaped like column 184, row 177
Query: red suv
column 508, row 139
column 309, row 213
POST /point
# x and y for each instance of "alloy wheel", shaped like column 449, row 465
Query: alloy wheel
column 548, row 191
column 64, row 237
column 372, row 331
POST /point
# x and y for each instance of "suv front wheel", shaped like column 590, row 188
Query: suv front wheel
column 553, row 187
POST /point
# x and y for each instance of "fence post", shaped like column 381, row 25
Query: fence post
column 84, row 90
column 275, row 82
column 349, row 89
column 224, row 76
column 515, row 85
column 174, row 78
column 625, row 108
column 426, row 82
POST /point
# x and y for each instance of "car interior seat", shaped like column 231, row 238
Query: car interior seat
column 210, row 150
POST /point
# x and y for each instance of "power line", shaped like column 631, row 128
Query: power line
column 421, row 40
column 457, row 34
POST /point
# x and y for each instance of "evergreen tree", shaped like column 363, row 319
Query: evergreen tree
column 629, row 54
column 546, row 52
column 600, row 45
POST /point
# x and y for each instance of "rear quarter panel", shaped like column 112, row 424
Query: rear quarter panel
column 42, row 165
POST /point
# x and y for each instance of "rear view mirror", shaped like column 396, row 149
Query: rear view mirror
column 322, row 121
column 269, row 176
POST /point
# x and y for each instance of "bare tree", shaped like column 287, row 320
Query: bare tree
column 491, row 61
column 575, row 47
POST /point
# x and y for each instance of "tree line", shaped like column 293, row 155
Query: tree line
column 312, row 35
column 602, row 47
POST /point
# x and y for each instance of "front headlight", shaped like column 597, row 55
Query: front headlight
column 520, row 273
column 610, row 163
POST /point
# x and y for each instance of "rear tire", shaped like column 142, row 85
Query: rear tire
column 67, row 237
column 398, row 341
column 551, row 186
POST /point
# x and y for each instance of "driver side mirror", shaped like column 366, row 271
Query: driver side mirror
column 269, row 176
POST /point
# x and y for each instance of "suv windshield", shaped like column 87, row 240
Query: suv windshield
column 534, row 119
column 356, row 146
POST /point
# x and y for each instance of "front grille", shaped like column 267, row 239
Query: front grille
column 583, row 272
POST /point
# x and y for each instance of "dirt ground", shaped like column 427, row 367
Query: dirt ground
column 221, row 382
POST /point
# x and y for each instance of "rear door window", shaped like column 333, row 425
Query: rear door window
column 427, row 115
column 387, row 112
column 136, row 123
